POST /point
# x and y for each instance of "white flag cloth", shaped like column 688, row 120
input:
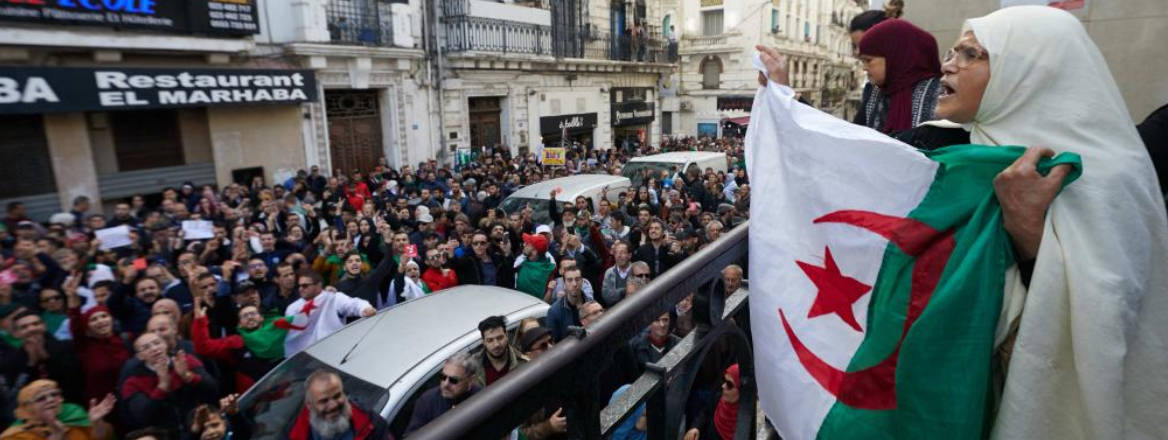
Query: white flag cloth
column 315, row 319
column 804, row 163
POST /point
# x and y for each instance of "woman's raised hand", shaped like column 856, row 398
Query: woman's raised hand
column 776, row 65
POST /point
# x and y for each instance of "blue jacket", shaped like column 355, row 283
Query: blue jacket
column 561, row 315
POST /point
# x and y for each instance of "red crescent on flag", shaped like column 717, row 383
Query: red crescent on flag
column 874, row 387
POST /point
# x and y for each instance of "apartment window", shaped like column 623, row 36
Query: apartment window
column 775, row 21
column 711, row 72
column 712, row 22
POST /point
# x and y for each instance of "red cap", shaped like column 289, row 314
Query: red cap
column 537, row 241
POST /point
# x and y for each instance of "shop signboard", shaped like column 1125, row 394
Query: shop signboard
column 570, row 124
column 553, row 156
column 208, row 17
column 632, row 113
column 74, row 89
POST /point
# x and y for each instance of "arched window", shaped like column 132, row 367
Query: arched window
column 711, row 72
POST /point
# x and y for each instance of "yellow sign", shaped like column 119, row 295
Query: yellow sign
column 711, row 3
column 553, row 156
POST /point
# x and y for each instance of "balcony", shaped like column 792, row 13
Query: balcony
column 510, row 29
column 464, row 33
column 651, row 50
column 723, row 42
column 360, row 22
column 482, row 26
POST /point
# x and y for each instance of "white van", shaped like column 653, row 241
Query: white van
column 587, row 185
column 678, row 161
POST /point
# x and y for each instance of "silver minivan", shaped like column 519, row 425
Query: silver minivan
column 587, row 185
column 388, row 360
column 676, row 161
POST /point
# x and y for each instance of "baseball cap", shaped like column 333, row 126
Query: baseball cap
column 536, row 241
column 543, row 229
column 244, row 285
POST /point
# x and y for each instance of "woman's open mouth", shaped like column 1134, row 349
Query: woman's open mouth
column 946, row 90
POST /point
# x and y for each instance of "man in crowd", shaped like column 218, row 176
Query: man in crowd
column 485, row 265
column 498, row 356
column 456, row 382
column 615, row 278
column 328, row 413
column 563, row 312
column 41, row 356
column 319, row 313
column 651, row 346
column 162, row 389
column 659, row 253
column 285, row 293
column 536, row 269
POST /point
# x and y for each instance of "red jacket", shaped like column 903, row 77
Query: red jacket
column 229, row 351
column 434, row 278
column 364, row 426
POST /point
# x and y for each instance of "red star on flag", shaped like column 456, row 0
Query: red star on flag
column 308, row 306
column 837, row 292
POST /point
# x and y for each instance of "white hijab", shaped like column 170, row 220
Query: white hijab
column 1091, row 356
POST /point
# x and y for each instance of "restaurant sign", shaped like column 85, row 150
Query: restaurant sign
column 66, row 89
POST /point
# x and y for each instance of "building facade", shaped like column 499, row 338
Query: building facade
column 111, row 99
column 1129, row 33
column 718, row 80
column 525, row 75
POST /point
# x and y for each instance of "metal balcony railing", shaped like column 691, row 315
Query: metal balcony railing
column 604, row 47
column 703, row 41
column 568, row 372
column 465, row 33
column 363, row 22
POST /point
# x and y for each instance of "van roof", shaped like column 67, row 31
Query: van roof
column 400, row 338
column 679, row 157
column 571, row 185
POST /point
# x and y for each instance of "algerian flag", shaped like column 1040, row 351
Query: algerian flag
column 877, row 274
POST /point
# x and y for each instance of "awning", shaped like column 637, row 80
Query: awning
column 744, row 120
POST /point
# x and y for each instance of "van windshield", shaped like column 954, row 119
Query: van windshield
column 539, row 211
column 635, row 171
column 271, row 406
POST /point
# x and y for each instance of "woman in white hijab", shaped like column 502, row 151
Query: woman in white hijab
column 408, row 283
column 1091, row 345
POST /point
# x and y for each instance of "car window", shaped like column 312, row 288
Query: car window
column 401, row 420
column 271, row 406
column 539, row 211
column 633, row 170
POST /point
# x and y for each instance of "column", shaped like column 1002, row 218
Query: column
column 72, row 157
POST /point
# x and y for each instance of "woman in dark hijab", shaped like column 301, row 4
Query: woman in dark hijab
column 903, row 62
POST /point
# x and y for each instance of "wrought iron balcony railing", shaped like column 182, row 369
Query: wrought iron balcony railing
column 465, row 33
column 363, row 22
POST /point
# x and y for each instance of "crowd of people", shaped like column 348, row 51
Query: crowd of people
column 159, row 334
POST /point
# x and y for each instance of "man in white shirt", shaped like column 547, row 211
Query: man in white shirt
column 318, row 313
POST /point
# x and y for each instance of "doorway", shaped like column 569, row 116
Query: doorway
column 485, row 121
column 354, row 121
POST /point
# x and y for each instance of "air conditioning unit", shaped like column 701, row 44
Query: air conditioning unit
column 686, row 106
